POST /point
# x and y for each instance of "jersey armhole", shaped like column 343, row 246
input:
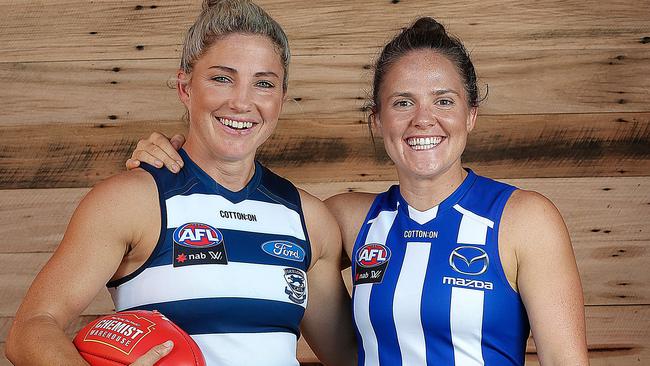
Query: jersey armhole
column 502, row 201
column 161, row 233
column 363, row 230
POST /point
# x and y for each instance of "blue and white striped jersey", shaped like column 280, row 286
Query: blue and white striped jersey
column 229, row 267
column 429, row 288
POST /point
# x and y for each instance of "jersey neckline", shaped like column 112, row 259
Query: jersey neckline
column 234, row 197
column 424, row 217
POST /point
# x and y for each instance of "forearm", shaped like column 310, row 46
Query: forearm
column 40, row 341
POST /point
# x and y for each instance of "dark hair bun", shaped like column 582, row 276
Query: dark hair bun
column 427, row 25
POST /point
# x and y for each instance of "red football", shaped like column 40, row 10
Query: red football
column 119, row 339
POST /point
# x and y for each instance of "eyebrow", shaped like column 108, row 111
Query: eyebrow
column 434, row 92
column 234, row 71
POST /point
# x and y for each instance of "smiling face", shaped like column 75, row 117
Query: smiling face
column 233, row 96
column 423, row 115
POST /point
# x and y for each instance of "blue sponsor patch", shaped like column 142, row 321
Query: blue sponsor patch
column 284, row 249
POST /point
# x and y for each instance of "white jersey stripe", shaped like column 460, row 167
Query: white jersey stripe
column 204, row 281
column 473, row 228
column 407, row 304
column 378, row 233
column 362, row 318
column 270, row 218
column 466, row 318
column 268, row 349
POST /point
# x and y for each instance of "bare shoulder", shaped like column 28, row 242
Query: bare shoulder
column 323, row 231
column 530, row 208
column 532, row 222
column 350, row 210
column 129, row 185
column 127, row 201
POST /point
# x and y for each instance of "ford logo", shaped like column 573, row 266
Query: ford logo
column 284, row 249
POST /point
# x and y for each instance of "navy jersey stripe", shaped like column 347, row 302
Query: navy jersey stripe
column 230, row 315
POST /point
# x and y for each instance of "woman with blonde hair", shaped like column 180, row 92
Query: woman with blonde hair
column 232, row 253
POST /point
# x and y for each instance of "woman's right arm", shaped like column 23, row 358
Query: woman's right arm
column 105, row 225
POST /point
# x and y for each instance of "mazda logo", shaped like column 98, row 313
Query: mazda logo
column 471, row 260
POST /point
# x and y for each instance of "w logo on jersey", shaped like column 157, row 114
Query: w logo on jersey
column 197, row 235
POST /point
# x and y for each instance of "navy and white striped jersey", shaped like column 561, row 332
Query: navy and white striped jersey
column 429, row 288
column 229, row 267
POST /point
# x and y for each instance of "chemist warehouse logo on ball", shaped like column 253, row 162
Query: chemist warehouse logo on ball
column 197, row 243
column 370, row 265
column 122, row 332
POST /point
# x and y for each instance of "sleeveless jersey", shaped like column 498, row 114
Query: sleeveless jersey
column 429, row 288
column 229, row 267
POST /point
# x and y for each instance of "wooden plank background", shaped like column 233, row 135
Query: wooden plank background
column 568, row 114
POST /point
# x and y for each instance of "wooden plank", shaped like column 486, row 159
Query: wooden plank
column 325, row 87
column 607, row 218
column 314, row 150
column 79, row 30
column 609, row 210
column 616, row 335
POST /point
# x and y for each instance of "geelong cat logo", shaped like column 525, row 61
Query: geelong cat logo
column 373, row 255
column 197, row 235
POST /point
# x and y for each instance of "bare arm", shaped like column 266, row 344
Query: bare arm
column 547, row 278
column 327, row 324
column 92, row 249
column 349, row 210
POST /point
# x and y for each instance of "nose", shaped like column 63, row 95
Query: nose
column 424, row 118
column 240, row 100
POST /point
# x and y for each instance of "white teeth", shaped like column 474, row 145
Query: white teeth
column 424, row 143
column 236, row 124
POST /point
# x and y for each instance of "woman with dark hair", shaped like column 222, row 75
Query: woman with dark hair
column 229, row 251
column 448, row 267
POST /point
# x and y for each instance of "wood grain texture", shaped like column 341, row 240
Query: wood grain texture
column 43, row 31
column 607, row 219
column 79, row 155
column 324, row 87
column 568, row 111
column 616, row 335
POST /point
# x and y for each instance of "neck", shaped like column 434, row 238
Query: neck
column 231, row 174
column 423, row 193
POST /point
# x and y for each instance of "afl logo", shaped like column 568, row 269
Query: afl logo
column 373, row 255
column 469, row 260
column 197, row 235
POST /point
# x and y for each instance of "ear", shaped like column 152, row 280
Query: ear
column 285, row 98
column 183, row 87
column 471, row 119
column 375, row 123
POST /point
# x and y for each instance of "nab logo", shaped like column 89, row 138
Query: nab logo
column 197, row 235
column 373, row 255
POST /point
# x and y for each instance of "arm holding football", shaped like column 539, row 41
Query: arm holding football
column 101, row 231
